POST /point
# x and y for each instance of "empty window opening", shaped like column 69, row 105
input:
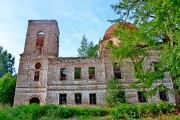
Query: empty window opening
column 91, row 72
column 39, row 41
column 34, row 100
column 163, row 96
column 36, row 76
column 141, row 96
column 117, row 71
column 38, row 65
column 62, row 99
column 63, row 73
column 92, row 99
column 78, row 98
column 155, row 66
column 77, row 74
column 122, row 96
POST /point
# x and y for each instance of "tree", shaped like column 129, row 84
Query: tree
column 87, row 49
column 158, row 29
column 115, row 96
column 6, row 62
column 7, row 88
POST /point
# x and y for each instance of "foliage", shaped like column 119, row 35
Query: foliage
column 36, row 112
column 56, row 112
column 87, row 49
column 158, row 31
column 115, row 95
column 6, row 62
column 7, row 88
column 77, row 74
column 125, row 111
column 5, row 112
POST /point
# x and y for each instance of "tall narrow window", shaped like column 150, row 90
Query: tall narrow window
column 40, row 41
column 154, row 66
column 77, row 73
column 91, row 72
column 92, row 99
column 36, row 76
column 62, row 99
column 63, row 73
column 78, row 98
column 163, row 96
column 141, row 96
column 117, row 71
column 37, row 71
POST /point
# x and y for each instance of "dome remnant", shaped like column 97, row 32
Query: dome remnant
column 109, row 32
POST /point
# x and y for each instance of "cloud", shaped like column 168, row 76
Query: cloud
column 75, row 18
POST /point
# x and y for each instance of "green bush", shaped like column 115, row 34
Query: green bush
column 125, row 111
column 24, row 112
column 36, row 112
column 115, row 95
column 45, row 112
column 5, row 113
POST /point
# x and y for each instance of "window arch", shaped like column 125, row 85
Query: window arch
column 34, row 100
column 39, row 41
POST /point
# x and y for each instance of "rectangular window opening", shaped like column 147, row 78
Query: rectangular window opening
column 78, row 98
column 163, row 96
column 155, row 66
column 92, row 99
column 77, row 73
column 91, row 72
column 141, row 96
column 63, row 73
column 117, row 71
column 36, row 76
column 62, row 99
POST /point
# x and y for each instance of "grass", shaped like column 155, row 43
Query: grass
column 158, row 111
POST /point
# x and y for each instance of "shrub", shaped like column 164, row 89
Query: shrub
column 24, row 112
column 5, row 113
column 36, row 112
column 125, row 111
column 115, row 95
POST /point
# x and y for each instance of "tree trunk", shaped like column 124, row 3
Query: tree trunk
column 176, row 94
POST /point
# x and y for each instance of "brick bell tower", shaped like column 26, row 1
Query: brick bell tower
column 42, row 42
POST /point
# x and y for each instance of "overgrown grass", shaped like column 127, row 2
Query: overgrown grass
column 125, row 111
column 37, row 112
column 56, row 112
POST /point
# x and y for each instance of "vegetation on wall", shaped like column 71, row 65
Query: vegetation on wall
column 158, row 30
column 115, row 95
column 87, row 49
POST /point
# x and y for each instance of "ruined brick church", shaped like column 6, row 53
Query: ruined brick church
column 45, row 78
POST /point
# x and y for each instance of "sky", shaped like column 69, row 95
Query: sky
column 75, row 18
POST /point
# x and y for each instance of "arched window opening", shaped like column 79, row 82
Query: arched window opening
column 39, row 41
column 34, row 100
column 37, row 71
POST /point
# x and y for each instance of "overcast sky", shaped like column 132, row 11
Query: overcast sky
column 75, row 18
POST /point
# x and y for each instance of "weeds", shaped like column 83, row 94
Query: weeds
column 55, row 112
